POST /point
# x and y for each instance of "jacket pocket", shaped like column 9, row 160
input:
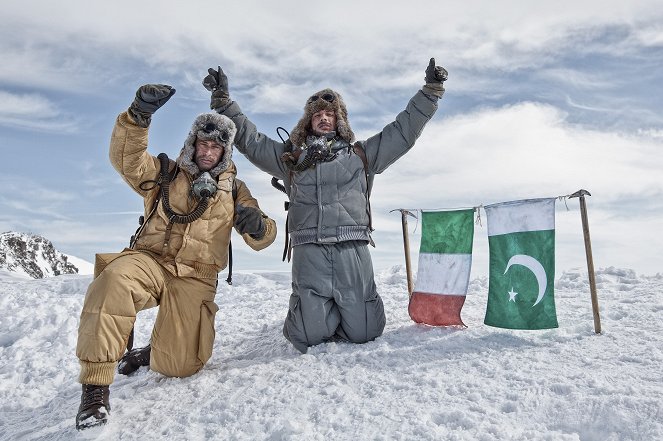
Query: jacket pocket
column 293, row 303
column 371, row 295
column 208, row 311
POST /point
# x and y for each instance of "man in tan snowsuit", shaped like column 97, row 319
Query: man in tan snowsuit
column 191, row 206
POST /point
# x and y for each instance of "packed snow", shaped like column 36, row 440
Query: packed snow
column 413, row 382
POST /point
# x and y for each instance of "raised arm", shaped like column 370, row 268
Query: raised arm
column 399, row 136
column 264, row 152
column 128, row 146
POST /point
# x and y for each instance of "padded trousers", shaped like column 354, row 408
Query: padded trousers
column 183, row 333
column 333, row 295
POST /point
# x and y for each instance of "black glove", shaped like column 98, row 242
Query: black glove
column 249, row 220
column 148, row 99
column 435, row 74
column 435, row 78
column 217, row 83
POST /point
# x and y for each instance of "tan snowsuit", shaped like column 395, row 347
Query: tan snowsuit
column 180, row 276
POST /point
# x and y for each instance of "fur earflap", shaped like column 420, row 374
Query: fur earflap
column 213, row 126
column 326, row 99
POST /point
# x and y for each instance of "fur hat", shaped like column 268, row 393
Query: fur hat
column 212, row 126
column 326, row 99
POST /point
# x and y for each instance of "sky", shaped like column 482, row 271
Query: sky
column 412, row 383
column 543, row 99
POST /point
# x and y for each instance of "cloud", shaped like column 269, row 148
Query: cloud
column 543, row 98
column 295, row 43
column 530, row 150
column 652, row 133
column 26, row 105
column 522, row 150
column 24, row 191
column 32, row 111
column 650, row 36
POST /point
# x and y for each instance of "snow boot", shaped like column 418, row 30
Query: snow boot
column 94, row 408
column 132, row 360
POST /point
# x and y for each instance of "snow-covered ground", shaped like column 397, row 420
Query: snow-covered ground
column 414, row 382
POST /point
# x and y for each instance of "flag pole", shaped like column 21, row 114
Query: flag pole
column 406, row 247
column 580, row 194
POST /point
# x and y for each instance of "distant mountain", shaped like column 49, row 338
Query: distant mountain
column 33, row 256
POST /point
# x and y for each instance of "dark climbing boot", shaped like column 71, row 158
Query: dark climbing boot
column 94, row 408
column 132, row 360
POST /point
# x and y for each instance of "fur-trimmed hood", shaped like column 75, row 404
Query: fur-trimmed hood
column 213, row 126
column 325, row 99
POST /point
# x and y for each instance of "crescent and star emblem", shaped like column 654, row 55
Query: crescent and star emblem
column 537, row 269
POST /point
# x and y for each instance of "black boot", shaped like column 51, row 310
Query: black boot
column 94, row 408
column 132, row 360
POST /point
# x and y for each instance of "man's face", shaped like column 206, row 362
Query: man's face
column 208, row 154
column 323, row 122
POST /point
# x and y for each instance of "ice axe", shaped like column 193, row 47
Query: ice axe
column 580, row 194
column 406, row 246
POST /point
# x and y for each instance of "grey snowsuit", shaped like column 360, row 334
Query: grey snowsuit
column 334, row 292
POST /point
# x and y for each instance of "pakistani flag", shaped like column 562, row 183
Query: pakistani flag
column 445, row 259
column 521, row 239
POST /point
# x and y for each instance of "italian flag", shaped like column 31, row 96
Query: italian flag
column 521, row 241
column 445, row 260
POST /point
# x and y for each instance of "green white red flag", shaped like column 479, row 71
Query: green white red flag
column 521, row 241
column 445, row 260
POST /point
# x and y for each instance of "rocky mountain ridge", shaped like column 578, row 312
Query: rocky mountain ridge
column 32, row 255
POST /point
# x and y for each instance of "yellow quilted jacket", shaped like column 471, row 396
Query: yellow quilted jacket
column 197, row 249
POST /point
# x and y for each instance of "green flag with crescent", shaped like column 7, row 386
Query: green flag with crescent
column 521, row 241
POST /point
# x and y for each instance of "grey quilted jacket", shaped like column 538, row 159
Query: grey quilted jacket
column 329, row 203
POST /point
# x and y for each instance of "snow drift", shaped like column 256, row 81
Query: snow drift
column 414, row 382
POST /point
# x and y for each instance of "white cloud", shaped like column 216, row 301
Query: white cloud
column 25, row 197
column 291, row 42
column 651, row 36
column 653, row 133
column 25, row 105
column 503, row 57
column 524, row 151
column 32, row 111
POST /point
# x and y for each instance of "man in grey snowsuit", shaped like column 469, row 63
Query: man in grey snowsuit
column 328, row 179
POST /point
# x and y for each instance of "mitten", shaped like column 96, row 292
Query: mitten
column 148, row 100
column 249, row 220
column 435, row 78
column 217, row 83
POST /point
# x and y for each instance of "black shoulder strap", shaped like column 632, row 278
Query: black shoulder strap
column 359, row 151
column 168, row 177
column 229, row 279
column 142, row 221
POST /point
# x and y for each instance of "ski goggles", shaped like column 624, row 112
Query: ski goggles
column 327, row 97
column 211, row 127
